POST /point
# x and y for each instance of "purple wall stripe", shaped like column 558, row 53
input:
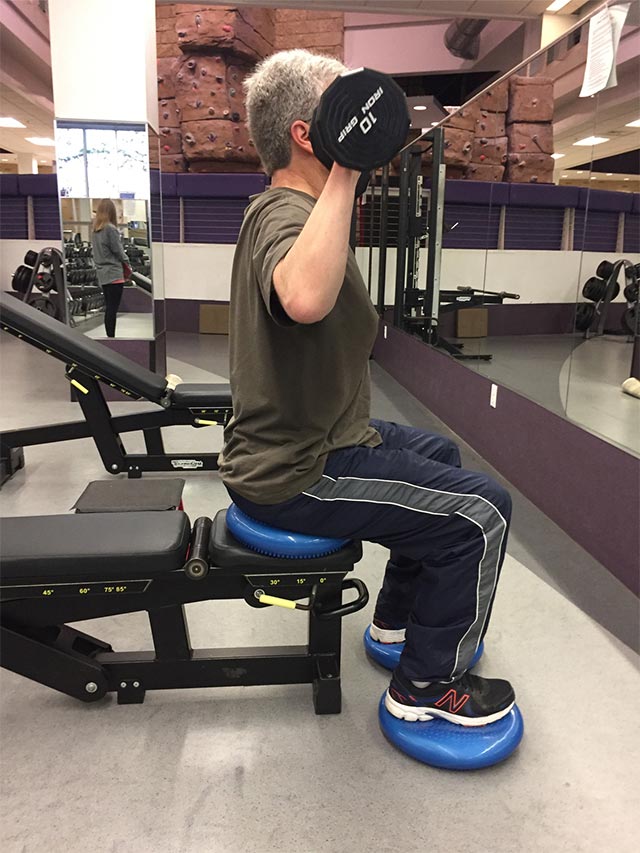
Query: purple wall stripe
column 171, row 219
column 533, row 228
column 46, row 217
column 13, row 219
column 595, row 231
column 541, row 453
column 213, row 220
column 477, row 229
column 632, row 232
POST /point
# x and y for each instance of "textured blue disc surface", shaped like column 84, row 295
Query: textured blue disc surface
column 388, row 654
column 278, row 543
column 442, row 744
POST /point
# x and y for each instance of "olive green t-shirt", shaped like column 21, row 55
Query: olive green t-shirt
column 299, row 390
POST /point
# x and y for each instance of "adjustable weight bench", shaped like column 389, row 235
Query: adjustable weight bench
column 88, row 364
column 70, row 568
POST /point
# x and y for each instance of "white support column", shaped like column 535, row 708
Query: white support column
column 620, row 237
column 103, row 60
column 27, row 164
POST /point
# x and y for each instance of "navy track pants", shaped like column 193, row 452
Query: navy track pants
column 446, row 529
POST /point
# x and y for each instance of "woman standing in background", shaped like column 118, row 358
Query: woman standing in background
column 112, row 263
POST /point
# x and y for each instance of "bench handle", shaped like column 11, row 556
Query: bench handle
column 351, row 606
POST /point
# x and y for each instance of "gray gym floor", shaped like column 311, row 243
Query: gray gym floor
column 253, row 769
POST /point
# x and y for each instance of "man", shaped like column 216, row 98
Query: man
column 301, row 452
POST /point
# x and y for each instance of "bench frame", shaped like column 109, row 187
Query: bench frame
column 106, row 430
column 36, row 642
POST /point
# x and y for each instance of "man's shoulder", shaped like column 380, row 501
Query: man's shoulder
column 279, row 201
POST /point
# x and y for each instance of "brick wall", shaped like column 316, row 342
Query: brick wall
column 321, row 32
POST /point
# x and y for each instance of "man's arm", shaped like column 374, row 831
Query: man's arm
column 308, row 279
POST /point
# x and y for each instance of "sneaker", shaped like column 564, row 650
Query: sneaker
column 381, row 632
column 467, row 701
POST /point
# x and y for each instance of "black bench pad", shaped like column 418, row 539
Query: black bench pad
column 129, row 544
column 201, row 396
column 131, row 495
column 227, row 553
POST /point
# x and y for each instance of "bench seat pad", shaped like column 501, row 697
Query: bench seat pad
column 128, row 544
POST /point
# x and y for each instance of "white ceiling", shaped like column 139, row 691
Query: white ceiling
column 39, row 123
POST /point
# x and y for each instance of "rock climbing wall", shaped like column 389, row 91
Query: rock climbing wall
column 204, row 54
column 507, row 134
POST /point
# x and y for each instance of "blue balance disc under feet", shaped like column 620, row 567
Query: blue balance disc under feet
column 452, row 747
column 388, row 654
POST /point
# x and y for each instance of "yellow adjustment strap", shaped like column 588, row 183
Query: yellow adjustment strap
column 80, row 387
column 279, row 602
column 202, row 422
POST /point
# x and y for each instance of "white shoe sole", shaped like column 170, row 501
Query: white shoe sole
column 422, row 715
column 382, row 635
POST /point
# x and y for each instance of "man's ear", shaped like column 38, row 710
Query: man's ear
column 300, row 135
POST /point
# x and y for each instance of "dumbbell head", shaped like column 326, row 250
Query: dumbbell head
column 631, row 292
column 361, row 122
column 30, row 258
column 605, row 268
column 585, row 313
column 21, row 278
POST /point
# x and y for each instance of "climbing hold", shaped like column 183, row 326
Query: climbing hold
column 160, row 79
column 190, row 138
column 194, row 85
column 191, row 64
column 198, row 20
column 226, row 113
column 203, row 71
column 232, row 92
column 167, row 148
column 226, row 28
column 165, row 115
column 198, row 104
column 235, row 116
column 219, row 79
column 181, row 34
column 522, row 146
column 212, row 112
column 211, row 137
column 482, row 158
column 179, row 75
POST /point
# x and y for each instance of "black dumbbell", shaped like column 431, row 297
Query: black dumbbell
column 361, row 122
column 30, row 258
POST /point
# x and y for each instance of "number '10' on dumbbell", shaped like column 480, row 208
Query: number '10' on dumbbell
column 361, row 122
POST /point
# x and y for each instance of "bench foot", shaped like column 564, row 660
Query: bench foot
column 327, row 692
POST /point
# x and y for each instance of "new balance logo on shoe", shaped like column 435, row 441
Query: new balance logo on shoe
column 451, row 701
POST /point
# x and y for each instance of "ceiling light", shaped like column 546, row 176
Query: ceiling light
column 7, row 121
column 5, row 160
column 609, row 174
column 434, row 123
column 580, row 172
column 419, row 107
column 557, row 5
column 565, row 176
column 593, row 177
column 592, row 140
column 40, row 140
column 635, row 123
column 627, row 179
column 557, row 156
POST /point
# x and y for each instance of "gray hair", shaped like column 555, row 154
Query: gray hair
column 285, row 87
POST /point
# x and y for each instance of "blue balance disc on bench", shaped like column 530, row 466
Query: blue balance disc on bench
column 278, row 543
column 452, row 747
column 388, row 654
